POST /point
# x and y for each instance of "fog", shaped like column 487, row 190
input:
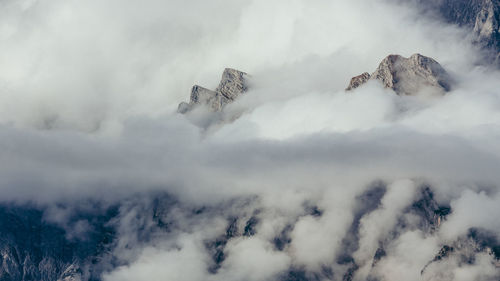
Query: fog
column 88, row 99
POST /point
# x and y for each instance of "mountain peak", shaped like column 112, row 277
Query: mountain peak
column 233, row 83
column 407, row 76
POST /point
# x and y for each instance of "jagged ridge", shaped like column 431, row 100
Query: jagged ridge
column 407, row 76
column 233, row 83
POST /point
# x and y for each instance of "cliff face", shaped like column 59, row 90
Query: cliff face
column 34, row 249
column 482, row 17
column 465, row 248
column 233, row 83
column 407, row 76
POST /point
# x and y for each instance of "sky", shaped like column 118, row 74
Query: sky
column 88, row 99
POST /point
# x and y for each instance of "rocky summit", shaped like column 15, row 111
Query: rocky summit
column 407, row 76
column 233, row 83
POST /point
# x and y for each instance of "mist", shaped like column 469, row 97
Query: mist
column 88, row 99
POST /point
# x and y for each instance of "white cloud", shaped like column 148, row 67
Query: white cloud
column 103, row 81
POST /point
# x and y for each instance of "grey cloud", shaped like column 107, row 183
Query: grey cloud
column 89, row 136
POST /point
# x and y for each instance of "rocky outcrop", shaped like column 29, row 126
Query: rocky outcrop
column 233, row 83
column 72, row 273
column 486, row 23
column 482, row 17
column 465, row 248
column 358, row 81
column 407, row 76
column 431, row 214
column 200, row 95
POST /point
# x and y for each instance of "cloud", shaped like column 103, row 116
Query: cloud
column 471, row 209
column 88, row 92
column 380, row 222
column 253, row 259
column 184, row 263
column 406, row 257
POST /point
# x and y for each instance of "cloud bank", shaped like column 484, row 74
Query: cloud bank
column 309, row 183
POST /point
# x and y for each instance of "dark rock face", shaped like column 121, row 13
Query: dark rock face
column 430, row 212
column 33, row 249
column 482, row 17
column 407, row 76
column 465, row 248
column 427, row 215
column 217, row 247
column 367, row 202
column 233, row 83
